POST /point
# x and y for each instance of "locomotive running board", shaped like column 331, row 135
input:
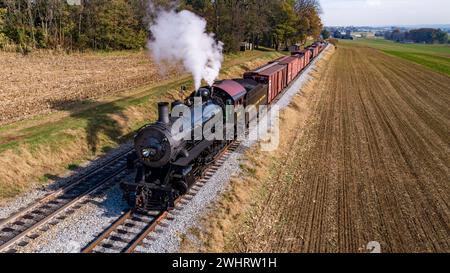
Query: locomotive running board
column 193, row 154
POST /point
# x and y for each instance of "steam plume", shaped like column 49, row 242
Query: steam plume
column 181, row 36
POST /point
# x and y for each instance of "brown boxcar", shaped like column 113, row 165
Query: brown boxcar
column 281, row 61
column 321, row 46
column 293, row 63
column 290, row 63
column 306, row 55
column 302, row 61
column 312, row 51
column 315, row 50
column 274, row 75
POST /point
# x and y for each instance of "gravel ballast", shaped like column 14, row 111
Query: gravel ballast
column 30, row 197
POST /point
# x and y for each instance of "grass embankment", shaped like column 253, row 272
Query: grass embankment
column 46, row 146
column 436, row 57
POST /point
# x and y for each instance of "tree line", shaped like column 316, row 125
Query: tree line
column 123, row 24
column 272, row 23
column 95, row 24
column 422, row 35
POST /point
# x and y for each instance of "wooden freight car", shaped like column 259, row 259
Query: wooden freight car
column 305, row 55
column 293, row 64
column 314, row 50
column 274, row 75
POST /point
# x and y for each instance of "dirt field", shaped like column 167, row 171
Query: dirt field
column 31, row 84
column 365, row 156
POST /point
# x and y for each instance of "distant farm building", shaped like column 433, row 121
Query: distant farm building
column 246, row 46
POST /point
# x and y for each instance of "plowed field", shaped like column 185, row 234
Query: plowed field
column 371, row 163
column 379, row 170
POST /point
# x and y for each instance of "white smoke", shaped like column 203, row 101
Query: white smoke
column 182, row 37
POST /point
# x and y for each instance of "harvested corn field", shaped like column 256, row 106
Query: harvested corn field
column 365, row 158
column 33, row 84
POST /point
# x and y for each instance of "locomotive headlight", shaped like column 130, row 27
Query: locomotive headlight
column 148, row 152
column 153, row 146
column 152, row 150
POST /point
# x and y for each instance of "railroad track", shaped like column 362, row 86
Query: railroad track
column 133, row 228
column 18, row 230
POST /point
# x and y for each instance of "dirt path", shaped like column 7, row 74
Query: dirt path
column 372, row 164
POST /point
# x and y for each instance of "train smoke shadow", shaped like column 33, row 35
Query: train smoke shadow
column 98, row 119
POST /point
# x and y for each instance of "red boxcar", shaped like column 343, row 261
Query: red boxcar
column 301, row 61
column 293, row 64
column 321, row 46
column 304, row 63
column 314, row 50
column 306, row 55
column 274, row 75
column 310, row 56
column 311, row 50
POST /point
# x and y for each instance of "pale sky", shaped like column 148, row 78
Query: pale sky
column 385, row 12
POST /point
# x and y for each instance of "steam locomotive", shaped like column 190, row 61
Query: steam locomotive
column 166, row 165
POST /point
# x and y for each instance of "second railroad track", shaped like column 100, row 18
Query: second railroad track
column 19, row 229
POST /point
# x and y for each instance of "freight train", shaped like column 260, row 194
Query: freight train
column 167, row 167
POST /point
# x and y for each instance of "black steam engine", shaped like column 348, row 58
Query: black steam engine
column 166, row 167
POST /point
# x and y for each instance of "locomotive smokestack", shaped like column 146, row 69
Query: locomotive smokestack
column 163, row 112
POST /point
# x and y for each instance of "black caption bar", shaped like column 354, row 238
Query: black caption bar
column 149, row 263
